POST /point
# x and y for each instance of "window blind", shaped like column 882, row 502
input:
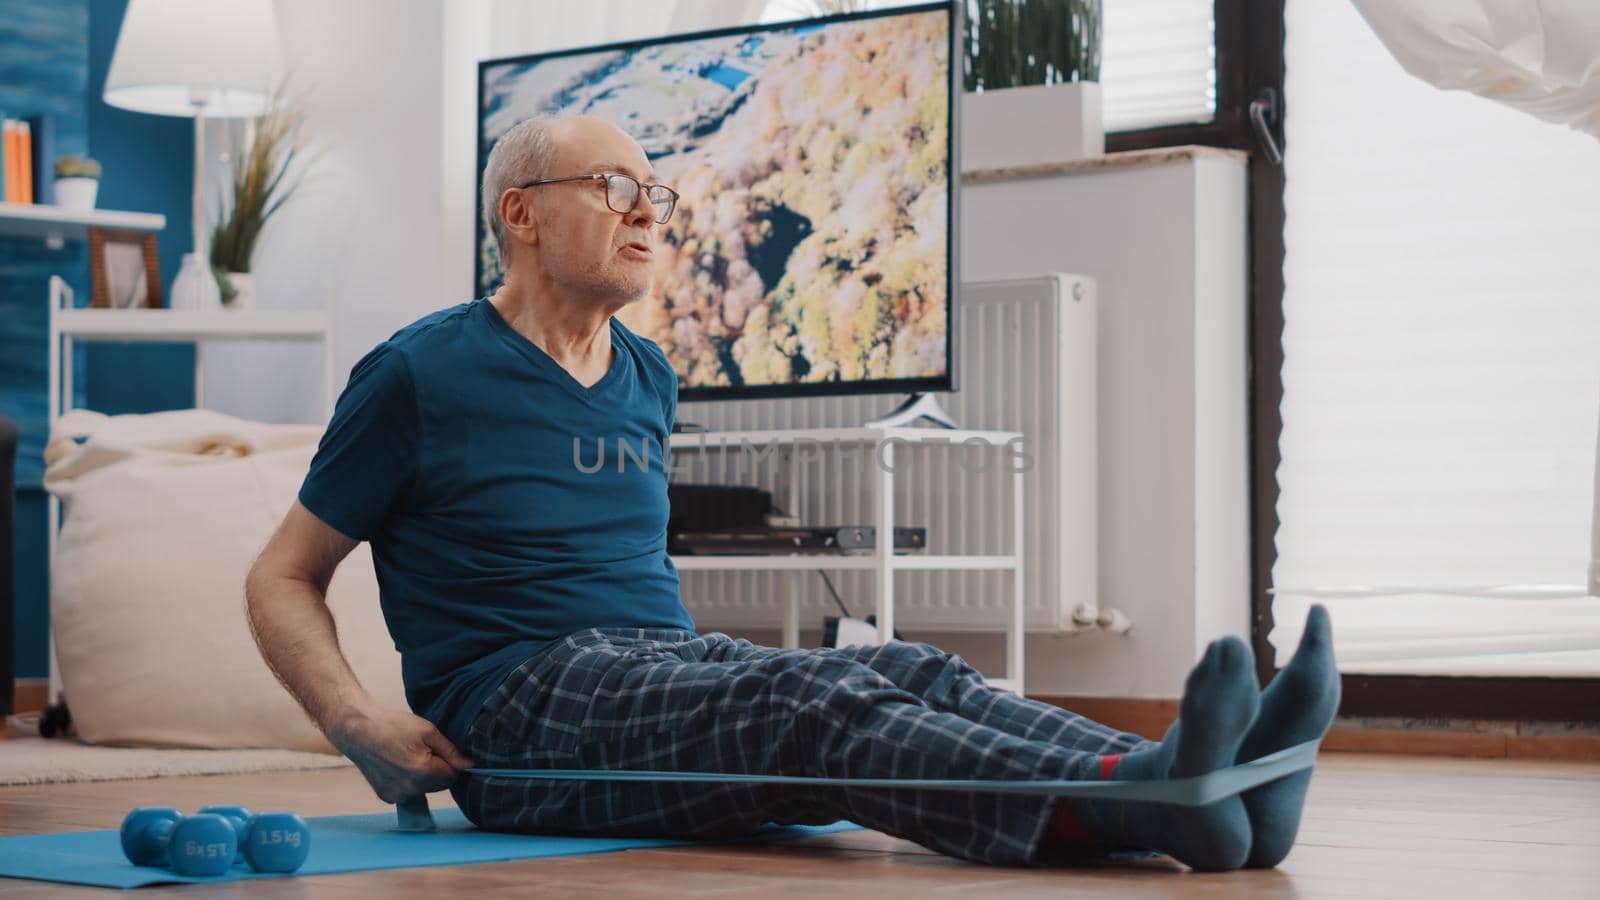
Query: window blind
column 1157, row 63
column 1441, row 369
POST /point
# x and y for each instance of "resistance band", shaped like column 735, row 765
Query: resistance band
column 1199, row 790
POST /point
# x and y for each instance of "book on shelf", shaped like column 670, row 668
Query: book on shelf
column 13, row 186
column 42, row 132
column 29, row 144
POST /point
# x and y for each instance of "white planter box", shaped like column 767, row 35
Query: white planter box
column 76, row 193
column 1023, row 126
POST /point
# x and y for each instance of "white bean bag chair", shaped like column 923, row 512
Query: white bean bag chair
column 162, row 516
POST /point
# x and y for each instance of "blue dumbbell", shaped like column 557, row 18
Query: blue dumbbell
column 270, row 842
column 202, row 844
column 146, row 832
column 277, row 842
column 241, row 817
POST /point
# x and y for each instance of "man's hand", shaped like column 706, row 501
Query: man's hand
column 402, row 755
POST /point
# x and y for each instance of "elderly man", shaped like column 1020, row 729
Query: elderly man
column 538, row 616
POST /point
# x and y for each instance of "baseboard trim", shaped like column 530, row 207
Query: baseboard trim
column 1150, row 718
column 1444, row 742
column 1147, row 718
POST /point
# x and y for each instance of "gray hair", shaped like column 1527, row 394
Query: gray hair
column 521, row 155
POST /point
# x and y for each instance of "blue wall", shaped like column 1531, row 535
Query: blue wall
column 54, row 55
column 44, row 69
column 148, row 164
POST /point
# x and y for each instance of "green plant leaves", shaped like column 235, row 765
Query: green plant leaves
column 1013, row 43
column 259, row 163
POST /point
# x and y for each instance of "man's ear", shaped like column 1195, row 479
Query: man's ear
column 519, row 216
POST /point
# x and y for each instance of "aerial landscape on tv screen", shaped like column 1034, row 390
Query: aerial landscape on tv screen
column 810, row 240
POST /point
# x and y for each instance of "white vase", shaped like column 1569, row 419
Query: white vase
column 76, row 193
column 244, row 290
column 1033, row 125
column 196, row 286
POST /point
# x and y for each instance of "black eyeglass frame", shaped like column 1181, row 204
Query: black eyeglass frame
column 638, row 186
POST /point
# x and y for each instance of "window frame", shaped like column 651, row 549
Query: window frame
column 1250, row 60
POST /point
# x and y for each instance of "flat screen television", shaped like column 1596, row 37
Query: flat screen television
column 812, row 249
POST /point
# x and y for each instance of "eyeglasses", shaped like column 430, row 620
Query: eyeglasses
column 622, row 193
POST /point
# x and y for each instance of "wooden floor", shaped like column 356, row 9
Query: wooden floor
column 1375, row 826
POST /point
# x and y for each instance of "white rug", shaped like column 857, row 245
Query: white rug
column 36, row 760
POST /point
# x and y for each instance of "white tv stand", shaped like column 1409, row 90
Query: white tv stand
column 883, row 562
column 916, row 408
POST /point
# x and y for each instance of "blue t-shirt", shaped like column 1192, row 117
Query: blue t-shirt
column 507, row 505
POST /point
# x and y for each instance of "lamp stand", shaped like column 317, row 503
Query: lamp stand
column 196, row 286
column 199, row 183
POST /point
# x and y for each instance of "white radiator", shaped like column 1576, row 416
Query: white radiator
column 1026, row 362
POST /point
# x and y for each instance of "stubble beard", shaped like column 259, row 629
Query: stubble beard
column 608, row 282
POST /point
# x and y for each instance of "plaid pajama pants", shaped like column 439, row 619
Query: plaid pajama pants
column 630, row 698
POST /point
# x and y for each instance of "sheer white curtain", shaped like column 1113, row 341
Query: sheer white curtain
column 1442, row 368
column 1539, row 56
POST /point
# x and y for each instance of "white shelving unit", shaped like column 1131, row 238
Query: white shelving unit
column 70, row 325
column 882, row 560
column 55, row 225
column 189, row 324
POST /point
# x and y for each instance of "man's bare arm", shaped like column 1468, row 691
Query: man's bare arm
column 401, row 755
column 286, row 601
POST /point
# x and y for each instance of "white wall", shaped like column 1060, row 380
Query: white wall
column 364, row 231
column 1167, row 246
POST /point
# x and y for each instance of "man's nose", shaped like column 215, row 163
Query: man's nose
column 643, row 213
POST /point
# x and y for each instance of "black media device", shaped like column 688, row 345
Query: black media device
column 715, row 507
column 771, row 539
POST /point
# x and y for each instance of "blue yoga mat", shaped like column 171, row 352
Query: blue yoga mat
column 338, row 844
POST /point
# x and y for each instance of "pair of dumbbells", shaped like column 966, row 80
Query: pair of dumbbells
column 213, row 840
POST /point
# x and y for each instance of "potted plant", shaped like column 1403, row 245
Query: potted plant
column 76, row 183
column 1032, row 72
column 260, row 157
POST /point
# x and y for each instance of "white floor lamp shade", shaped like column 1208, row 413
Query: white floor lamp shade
column 174, row 55
column 196, row 58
